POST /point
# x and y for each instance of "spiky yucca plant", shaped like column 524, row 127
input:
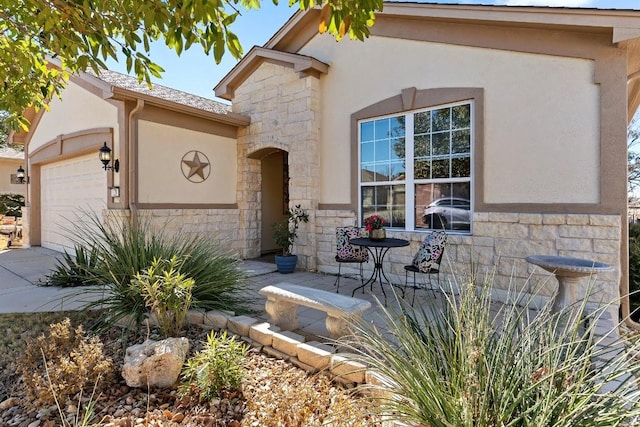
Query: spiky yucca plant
column 470, row 362
column 126, row 246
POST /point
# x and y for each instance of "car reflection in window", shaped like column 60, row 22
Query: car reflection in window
column 448, row 213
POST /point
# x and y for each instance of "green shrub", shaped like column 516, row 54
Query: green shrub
column 63, row 363
column 11, row 204
column 167, row 293
column 127, row 246
column 466, row 362
column 217, row 368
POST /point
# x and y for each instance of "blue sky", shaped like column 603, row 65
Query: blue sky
column 198, row 73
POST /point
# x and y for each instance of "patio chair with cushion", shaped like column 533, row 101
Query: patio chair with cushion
column 426, row 261
column 348, row 253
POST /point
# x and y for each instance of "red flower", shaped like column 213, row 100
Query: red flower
column 374, row 222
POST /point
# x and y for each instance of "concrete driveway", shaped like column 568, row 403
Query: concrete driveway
column 20, row 272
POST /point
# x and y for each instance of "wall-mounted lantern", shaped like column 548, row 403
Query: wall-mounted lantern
column 20, row 174
column 105, row 157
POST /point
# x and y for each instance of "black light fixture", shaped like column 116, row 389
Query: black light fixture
column 105, row 157
column 20, row 174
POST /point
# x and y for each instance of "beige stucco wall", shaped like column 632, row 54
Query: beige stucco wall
column 78, row 110
column 160, row 152
column 540, row 110
column 9, row 167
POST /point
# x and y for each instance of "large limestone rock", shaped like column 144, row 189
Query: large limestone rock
column 155, row 364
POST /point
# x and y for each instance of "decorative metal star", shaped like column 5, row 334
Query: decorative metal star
column 196, row 166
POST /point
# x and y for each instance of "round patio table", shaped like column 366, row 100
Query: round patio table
column 568, row 271
column 378, row 249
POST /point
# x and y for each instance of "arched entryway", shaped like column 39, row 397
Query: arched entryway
column 274, row 189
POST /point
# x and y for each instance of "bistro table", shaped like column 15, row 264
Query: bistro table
column 378, row 249
column 568, row 271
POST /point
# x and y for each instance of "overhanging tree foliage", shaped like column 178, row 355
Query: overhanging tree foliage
column 83, row 34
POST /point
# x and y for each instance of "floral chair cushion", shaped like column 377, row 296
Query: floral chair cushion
column 430, row 253
column 346, row 251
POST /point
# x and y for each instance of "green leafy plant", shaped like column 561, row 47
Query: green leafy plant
column 286, row 231
column 167, row 293
column 62, row 363
column 216, row 369
column 466, row 362
column 127, row 246
column 11, row 204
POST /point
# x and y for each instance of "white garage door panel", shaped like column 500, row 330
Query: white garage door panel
column 69, row 188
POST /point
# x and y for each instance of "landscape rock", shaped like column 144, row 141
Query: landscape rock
column 155, row 363
column 10, row 402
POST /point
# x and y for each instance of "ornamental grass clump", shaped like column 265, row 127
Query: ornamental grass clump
column 126, row 246
column 470, row 362
column 167, row 293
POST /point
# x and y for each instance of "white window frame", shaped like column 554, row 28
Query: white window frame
column 409, row 181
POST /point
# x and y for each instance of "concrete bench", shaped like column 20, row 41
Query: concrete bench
column 284, row 299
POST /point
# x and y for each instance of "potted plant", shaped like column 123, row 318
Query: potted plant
column 374, row 224
column 284, row 235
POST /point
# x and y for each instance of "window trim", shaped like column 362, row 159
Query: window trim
column 413, row 99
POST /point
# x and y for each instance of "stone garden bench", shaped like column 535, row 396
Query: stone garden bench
column 284, row 299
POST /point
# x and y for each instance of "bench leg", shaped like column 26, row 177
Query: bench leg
column 282, row 314
column 338, row 326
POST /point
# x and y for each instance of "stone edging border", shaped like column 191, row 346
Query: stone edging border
column 312, row 356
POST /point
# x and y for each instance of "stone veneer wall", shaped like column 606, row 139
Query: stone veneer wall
column 285, row 114
column 499, row 245
column 219, row 224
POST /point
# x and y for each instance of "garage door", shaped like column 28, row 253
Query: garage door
column 67, row 189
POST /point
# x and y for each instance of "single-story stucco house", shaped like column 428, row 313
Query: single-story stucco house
column 518, row 113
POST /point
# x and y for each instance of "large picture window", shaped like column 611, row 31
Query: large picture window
column 415, row 168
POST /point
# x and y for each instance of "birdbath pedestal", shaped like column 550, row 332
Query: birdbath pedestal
column 568, row 271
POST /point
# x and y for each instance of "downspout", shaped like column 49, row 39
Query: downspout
column 132, row 159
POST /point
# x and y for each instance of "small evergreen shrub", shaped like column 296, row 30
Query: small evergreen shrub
column 11, row 204
column 63, row 363
column 216, row 369
column 167, row 293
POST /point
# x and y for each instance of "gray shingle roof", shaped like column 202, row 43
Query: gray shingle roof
column 162, row 92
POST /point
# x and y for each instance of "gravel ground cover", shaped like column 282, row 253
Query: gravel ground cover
column 274, row 392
